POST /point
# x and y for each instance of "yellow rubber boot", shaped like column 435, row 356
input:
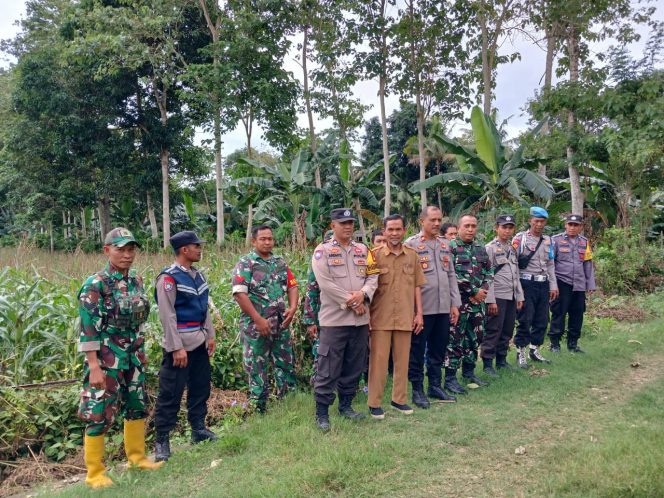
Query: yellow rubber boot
column 134, row 442
column 94, row 462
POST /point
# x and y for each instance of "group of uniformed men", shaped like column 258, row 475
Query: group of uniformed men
column 432, row 299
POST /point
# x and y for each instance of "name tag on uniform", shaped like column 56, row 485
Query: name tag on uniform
column 335, row 262
column 359, row 261
column 564, row 249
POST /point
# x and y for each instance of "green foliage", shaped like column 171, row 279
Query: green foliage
column 45, row 419
column 628, row 264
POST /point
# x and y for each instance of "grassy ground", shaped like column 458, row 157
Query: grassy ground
column 590, row 425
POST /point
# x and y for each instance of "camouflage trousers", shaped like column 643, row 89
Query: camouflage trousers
column 259, row 354
column 124, row 389
column 466, row 336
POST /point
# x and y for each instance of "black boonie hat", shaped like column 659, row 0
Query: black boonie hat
column 574, row 218
column 342, row 214
column 182, row 239
column 505, row 219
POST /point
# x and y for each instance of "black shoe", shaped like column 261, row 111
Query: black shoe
column 575, row 349
column 488, row 367
column 201, row 434
column 162, row 447
column 346, row 408
column 322, row 417
column 419, row 398
column 472, row 378
column 535, row 355
column 468, row 374
column 405, row 409
column 501, row 363
column 439, row 394
column 554, row 347
column 453, row 386
column 490, row 371
column 377, row 413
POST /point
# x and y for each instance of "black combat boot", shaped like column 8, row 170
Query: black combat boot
column 488, row 367
column 573, row 347
column 451, row 382
column 535, row 355
column 501, row 362
column 162, row 447
column 419, row 398
column 200, row 433
column 322, row 417
column 438, row 393
column 468, row 373
column 346, row 408
column 554, row 347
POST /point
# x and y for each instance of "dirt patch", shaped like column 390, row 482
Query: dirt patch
column 620, row 309
column 29, row 471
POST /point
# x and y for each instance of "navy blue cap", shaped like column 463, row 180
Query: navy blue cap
column 574, row 218
column 342, row 214
column 505, row 219
column 182, row 239
column 538, row 212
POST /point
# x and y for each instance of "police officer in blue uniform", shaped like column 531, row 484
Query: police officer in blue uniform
column 575, row 274
column 181, row 293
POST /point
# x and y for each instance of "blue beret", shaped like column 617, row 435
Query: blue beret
column 538, row 212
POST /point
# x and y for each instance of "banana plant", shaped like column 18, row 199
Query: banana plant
column 283, row 192
column 490, row 174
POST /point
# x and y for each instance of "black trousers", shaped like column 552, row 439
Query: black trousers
column 433, row 338
column 499, row 329
column 172, row 381
column 572, row 304
column 534, row 315
column 342, row 358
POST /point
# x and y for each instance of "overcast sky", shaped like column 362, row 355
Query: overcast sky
column 515, row 84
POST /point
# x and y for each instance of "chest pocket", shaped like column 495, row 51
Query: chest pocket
column 565, row 253
column 482, row 256
column 360, row 263
column 501, row 259
column 464, row 263
column 385, row 276
column 337, row 266
column 408, row 273
column 445, row 260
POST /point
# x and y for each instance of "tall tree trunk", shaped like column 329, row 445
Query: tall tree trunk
column 50, row 236
column 550, row 34
column 307, row 104
column 165, row 195
column 154, row 229
column 420, row 146
column 574, row 178
column 418, row 105
column 386, row 150
column 64, row 225
column 486, row 67
column 250, row 224
column 214, row 31
column 219, row 176
column 84, row 224
column 104, row 207
column 360, row 219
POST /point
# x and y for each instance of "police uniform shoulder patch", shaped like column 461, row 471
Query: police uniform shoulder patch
column 169, row 283
column 318, row 254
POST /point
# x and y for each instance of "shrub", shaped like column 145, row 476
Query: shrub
column 626, row 263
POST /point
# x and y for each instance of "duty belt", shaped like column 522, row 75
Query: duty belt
column 534, row 278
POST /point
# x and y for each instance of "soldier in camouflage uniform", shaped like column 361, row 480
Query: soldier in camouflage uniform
column 474, row 276
column 261, row 282
column 312, row 307
column 113, row 306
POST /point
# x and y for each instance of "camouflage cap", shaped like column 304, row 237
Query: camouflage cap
column 119, row 237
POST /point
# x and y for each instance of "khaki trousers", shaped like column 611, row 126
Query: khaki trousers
column 380, row 343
